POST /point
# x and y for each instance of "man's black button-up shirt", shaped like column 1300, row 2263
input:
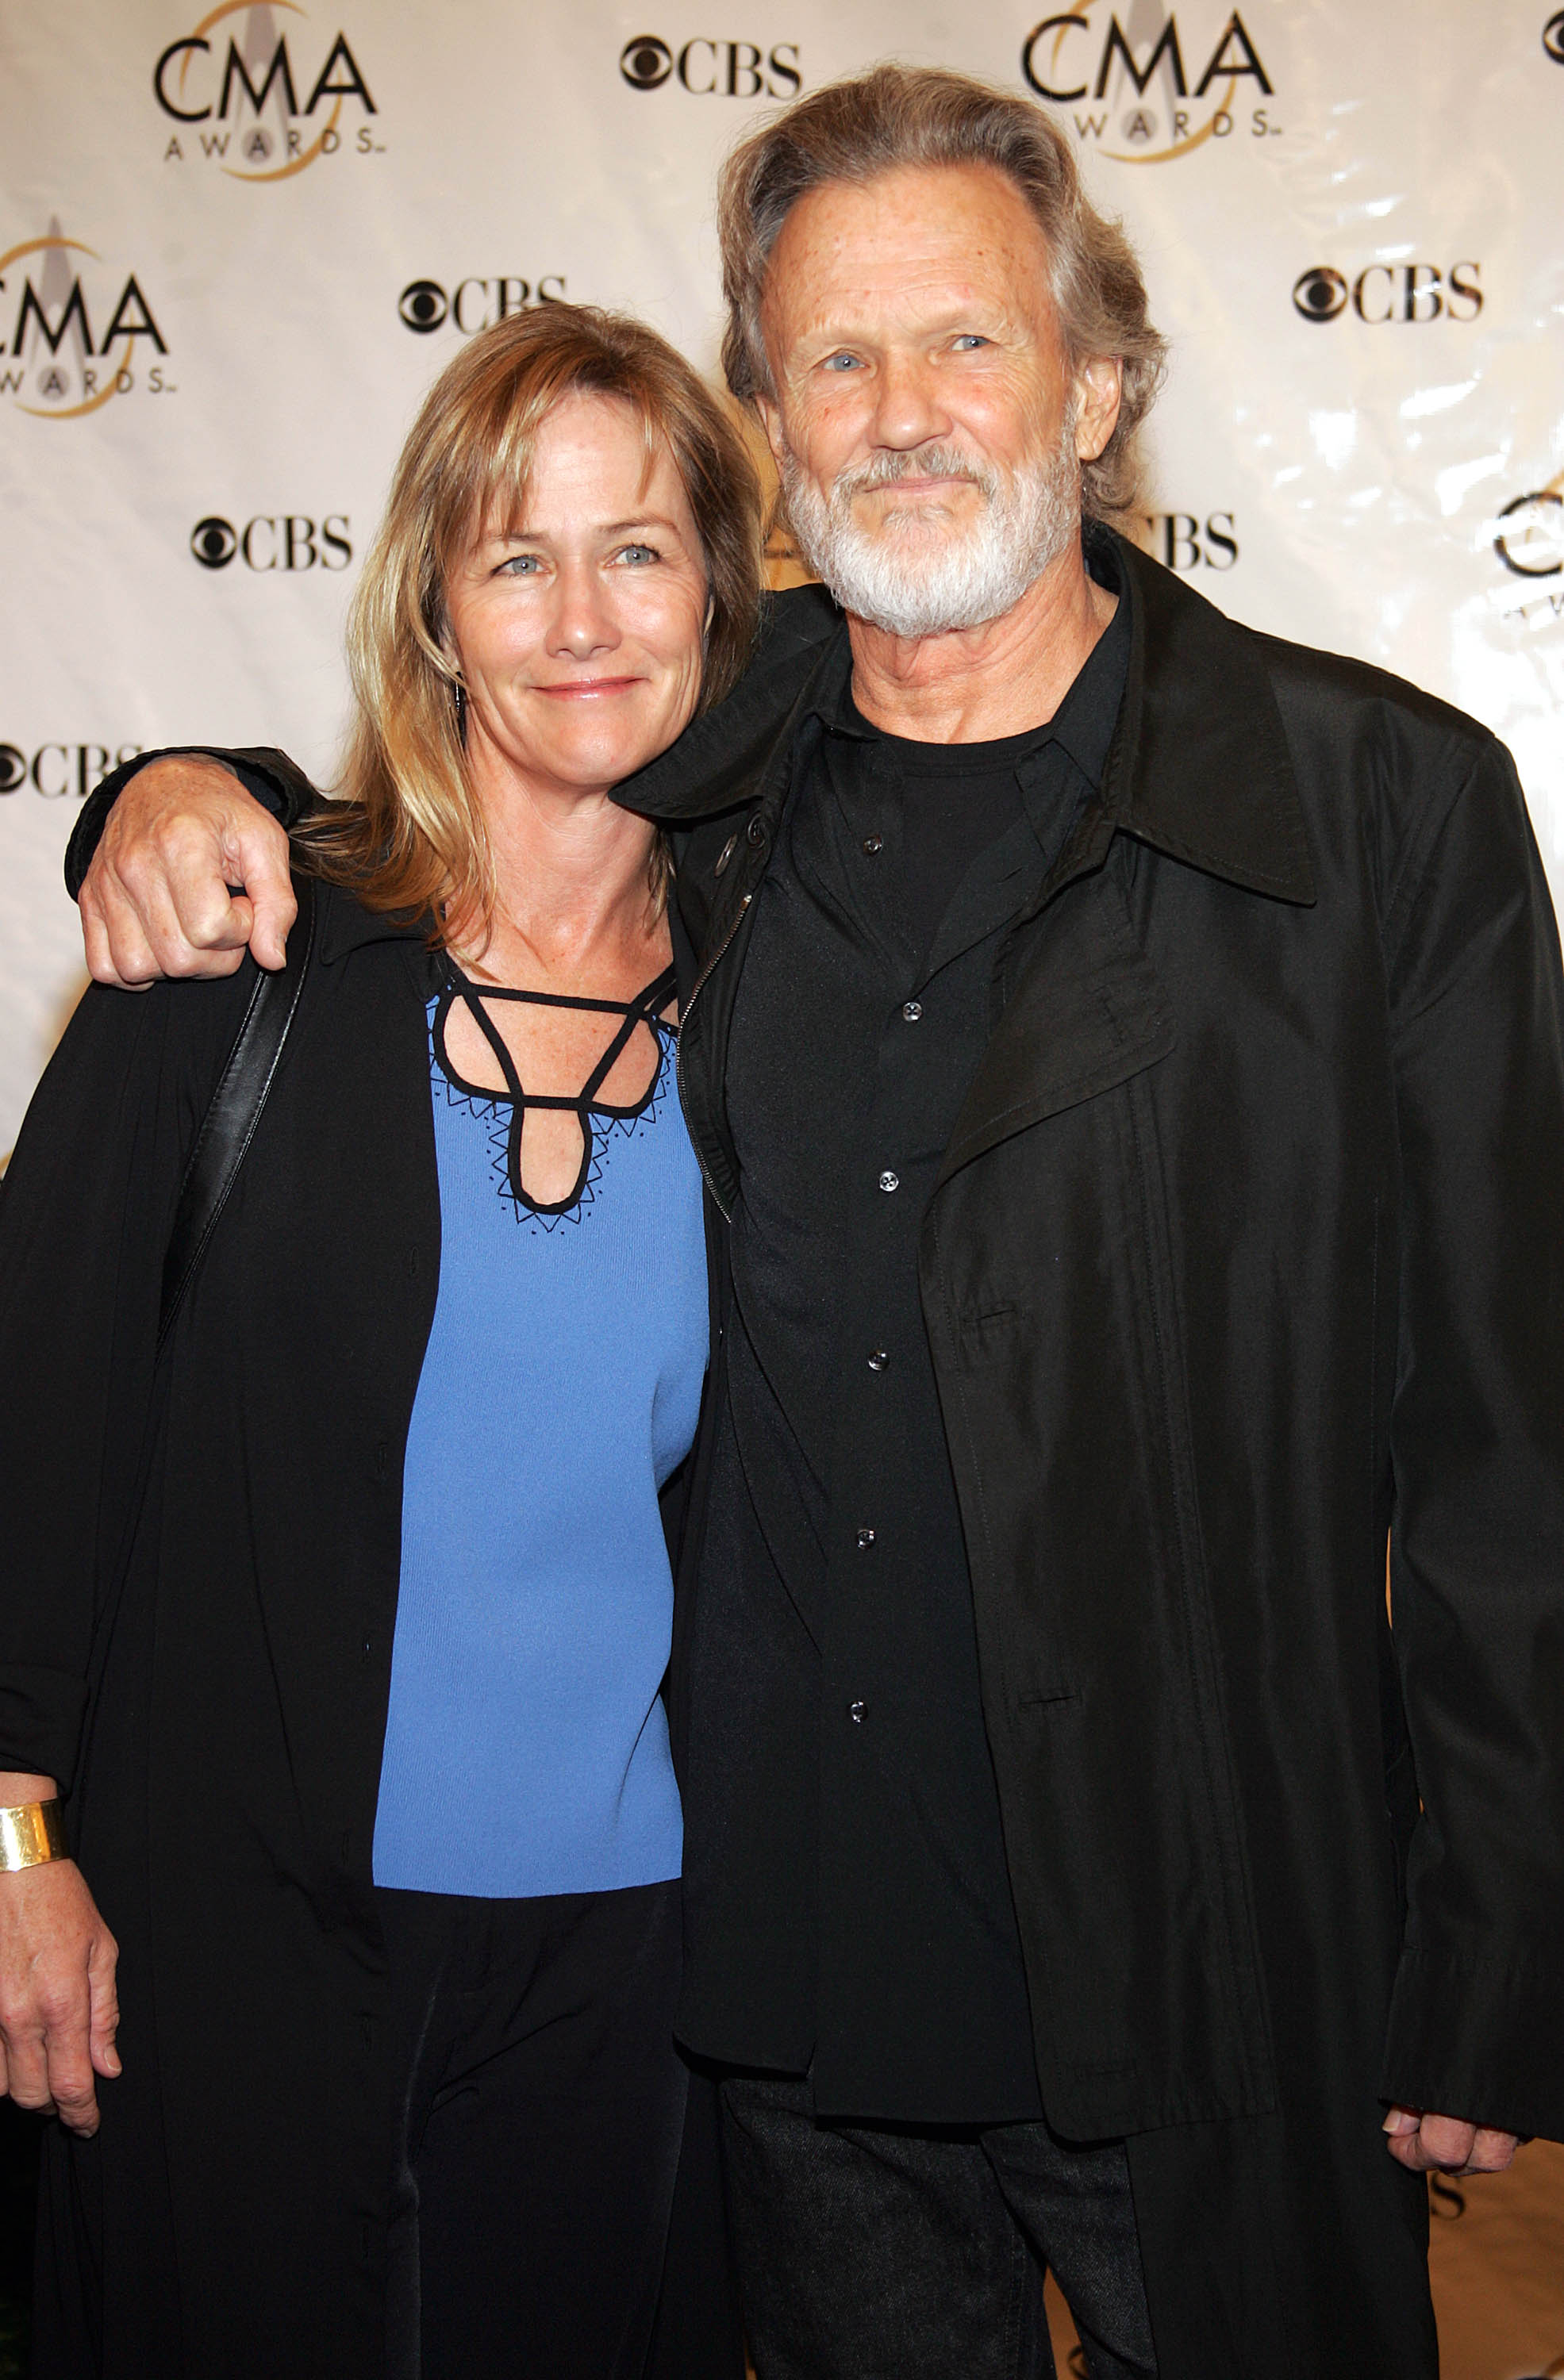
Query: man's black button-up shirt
column 872, row 1933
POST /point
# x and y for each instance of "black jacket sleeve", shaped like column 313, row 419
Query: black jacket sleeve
column 269, row 774
column 1477, row 1448
column 85, row 1210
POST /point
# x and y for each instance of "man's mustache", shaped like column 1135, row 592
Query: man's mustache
column 923, row 462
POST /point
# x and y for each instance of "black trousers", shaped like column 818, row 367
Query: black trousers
column 887, row 2253
column 539, row 2131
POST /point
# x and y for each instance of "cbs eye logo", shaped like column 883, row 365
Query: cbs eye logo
column 477, row 303
column 1392, row 293
column 56, row 770
column 273, row 541
column 424, row 305
column 709, row 68
column 1553, row 38
column 646, row 61
column 1320, row 294
column 213, row 543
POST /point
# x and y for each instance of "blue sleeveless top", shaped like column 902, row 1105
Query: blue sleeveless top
column 526, row 1743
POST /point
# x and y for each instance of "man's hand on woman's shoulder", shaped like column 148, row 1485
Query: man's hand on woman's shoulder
column 190, row 870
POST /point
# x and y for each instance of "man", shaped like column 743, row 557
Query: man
column 1126, row 1058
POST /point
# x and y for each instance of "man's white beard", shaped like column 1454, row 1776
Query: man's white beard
column 913, row 578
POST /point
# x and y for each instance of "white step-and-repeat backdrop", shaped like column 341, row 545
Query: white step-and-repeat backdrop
column 235, row 245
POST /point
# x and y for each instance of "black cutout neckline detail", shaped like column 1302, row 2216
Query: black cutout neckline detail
column 644, row 1009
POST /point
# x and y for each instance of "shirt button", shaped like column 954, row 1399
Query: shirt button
column 890, row 1180
column 855, row 1712
column 911, row 1010
column 865, row 1539
column 756, row 833
column 879, row 1360
column 872, row 843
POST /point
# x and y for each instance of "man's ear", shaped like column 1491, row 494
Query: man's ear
column 771, row 422
column 1099, row 388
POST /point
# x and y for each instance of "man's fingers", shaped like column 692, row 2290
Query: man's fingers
column 1445, row 2142
column 157, row 902
column 1492, row 2151
column 132, row 961
column 258, row 859
column 1435, row 2143
column 175, row 878
column 101, row 963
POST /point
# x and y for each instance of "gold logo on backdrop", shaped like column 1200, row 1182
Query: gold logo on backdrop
column 251, row 105
column 66, row 349
column 1145, row 90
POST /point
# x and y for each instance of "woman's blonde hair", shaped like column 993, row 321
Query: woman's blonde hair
column 408, row 834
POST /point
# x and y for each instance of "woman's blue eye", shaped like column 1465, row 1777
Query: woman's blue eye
column 640, row 553
column 841, row 363
column 520, row 565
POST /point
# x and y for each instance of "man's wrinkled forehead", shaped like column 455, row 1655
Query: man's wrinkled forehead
column 911, row 244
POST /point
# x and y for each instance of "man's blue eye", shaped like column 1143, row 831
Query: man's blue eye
column 972, row 339
column 841, row 363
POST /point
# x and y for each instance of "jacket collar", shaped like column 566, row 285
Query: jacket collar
column 1199, row 766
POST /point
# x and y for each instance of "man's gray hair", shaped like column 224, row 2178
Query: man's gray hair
column 893, row 116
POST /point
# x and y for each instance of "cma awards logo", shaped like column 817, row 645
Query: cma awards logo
column 476, row 303
column 1391, row 293
column 1144, row 91
column 246, row 102
column 56, row 770
column 288, row 542
column 68, row 333
column 707, row 69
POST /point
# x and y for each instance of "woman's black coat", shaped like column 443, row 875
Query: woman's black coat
column 213, row 1693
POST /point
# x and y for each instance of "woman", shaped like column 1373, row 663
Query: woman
column 345, row 1658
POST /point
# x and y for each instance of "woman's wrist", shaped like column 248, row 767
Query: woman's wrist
column 32, row 1822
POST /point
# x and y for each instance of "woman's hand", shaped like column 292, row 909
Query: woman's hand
column 58, row 2012
column 156, row 900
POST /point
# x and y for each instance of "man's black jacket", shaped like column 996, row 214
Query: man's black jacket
column 1245, row 1256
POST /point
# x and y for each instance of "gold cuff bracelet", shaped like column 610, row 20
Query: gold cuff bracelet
column 30, row 1833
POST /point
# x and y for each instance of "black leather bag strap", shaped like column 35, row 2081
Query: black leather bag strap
column 229, row 1125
